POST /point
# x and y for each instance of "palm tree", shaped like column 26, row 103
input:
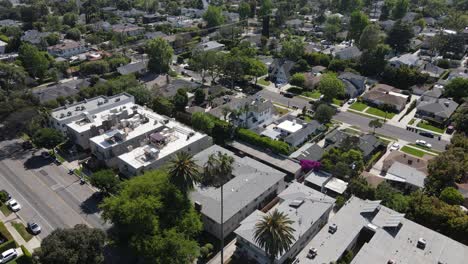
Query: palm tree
column 218, row 168
column 183, row 172
column 274, row 234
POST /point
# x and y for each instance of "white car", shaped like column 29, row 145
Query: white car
column 14, row 205
column 8, row 255
column 423, row 143
column 34, row 228
column 395, row 146
column 351, row 101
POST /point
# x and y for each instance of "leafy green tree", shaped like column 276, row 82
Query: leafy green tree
column 373, row 61
column 460, row 118
column 3, row 197
column 106, row 181
column 400, row 9
column 199, row 96
column 33, row 60
column 331, row 87
column 141, row 93
column 359, row 187
column 244, row 10
column 79, row 244
column 203, row 62
column 70, row 19
column 400, row 36
column 47, row 138
column 180, row 100
column 357, row 24
column 94, row 67
column 74, row 34
column 274, row 233
column 213, row 16
column 457, row 89
column 256, row 69
column 293, row 49
column 162, row 106
column 183, row 172
column 456, row 20
column 265, row 8
column 11, row 77
column 376, row 123
column 203, row 122
column 451, row 196
column 298, row 79
column 324, row 113
column 332, row 27
column 371, row 36
column 154, row 219
column 52, row 39
column 160, row 55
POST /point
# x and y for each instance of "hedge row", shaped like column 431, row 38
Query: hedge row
column 4, row 231
column 265, row 142
column 7, row 245
column 27, row 256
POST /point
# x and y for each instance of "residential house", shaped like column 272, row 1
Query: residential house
column 304, row 134
column 2, row 47
column 101, row 26
column 67, row 49
column 355, row 84
column 152, row 18
column 407, row 59
column 33, row 36
column 208, row 46
column 387, row 25
column 10, row 23
column 61, row 89
column 324, row 182
column 168, row 86
column 432, row 70
column 383, row 94
column 344, row 51
column 309, row 151
column 153, row 35
column 438, row 111
column 306, row 208
column 279, row 71
column 138, row 67
column 377, row 234
column 369, row 144
column 294, row 23
column 251, row 186
column 129, row 30
column 404, row 170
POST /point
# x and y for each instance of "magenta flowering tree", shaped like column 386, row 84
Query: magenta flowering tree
column 308, row 165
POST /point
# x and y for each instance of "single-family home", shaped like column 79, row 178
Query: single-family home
column 129, row 30
column 438, row 111
column 347, row 53
column 67, row 49
column 33, row 36
column 324, row 182
column 383, row 94
column 369, row 144
column 408, row 59
column 61, row 89
column 306, row 208
column 138, row 67
column 208, row 46
column 279, row 71
column 355, row 84
column 2, row 47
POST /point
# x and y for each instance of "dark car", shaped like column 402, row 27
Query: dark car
column 27, row 145
column 288, row 95
column 427, row 134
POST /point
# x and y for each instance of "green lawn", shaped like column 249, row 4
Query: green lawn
column 426, row 125
column 262, row 81
column 412, row 121
column 22, row 231
column 413, row 151
column 337, row 102
column 314, row 94
column 281, row 111
column 378, row 112
column 358, row 106
column 5, row 210
column 424, row 148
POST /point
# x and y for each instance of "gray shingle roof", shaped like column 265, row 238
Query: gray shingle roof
column 251, row 179
column 443, row 107
column 408, row 173
column 133, row 67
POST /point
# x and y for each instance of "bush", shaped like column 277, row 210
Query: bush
column 27, row 256
column 3, row 197
column 265, row 142
column 451, row 196
column 298, row 79
column 5, row 233
column 7, row 245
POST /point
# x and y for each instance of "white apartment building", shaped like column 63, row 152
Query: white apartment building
column 252, row 186
column 307, row 208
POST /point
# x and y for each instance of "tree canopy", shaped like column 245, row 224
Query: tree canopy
column 47, row 138
column 213, row 16
column 357, row 24
column 160, row 55
column 331, row 87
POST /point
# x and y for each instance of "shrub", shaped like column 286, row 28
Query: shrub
column 7, row 245
column 27, row 256
column 4, row 231
column 298, row 79
column 265, row 142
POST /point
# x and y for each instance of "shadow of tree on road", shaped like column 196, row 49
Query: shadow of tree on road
column 91, row 205
column 36, row 162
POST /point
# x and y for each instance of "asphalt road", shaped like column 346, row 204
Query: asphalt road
column 357, row 120
column 47, row 194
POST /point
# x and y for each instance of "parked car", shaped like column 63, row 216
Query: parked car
column 14, row 205
column 45, row 154
column 288, row 95
column 450, row 129
column 395, row 146
column 237, row 88
column 27, row 145
column 8, row 255
column 427, row 134
column 34, row 228
column 352, row 101
column 423, row 143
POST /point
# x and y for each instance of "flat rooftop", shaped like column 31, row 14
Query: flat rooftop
column 89, row 105
column 177, row 137
column 290, row 126
column 395, row 238
column 251, row 179
column 314, row 205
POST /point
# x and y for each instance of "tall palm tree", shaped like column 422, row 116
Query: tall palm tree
column 183, row 172
column 218, row 168
column 274, row 233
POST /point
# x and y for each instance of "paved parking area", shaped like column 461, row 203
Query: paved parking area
column 47, row 193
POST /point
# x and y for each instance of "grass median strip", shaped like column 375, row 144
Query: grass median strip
column 430, row 127
column 22, row 231
column 358, row 106
column 413, row 151
column 378, row 112
column 5, row 210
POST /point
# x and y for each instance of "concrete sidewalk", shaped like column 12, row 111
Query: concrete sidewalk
column 30, row 245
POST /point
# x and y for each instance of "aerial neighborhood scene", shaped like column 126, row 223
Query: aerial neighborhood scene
column 233, row 131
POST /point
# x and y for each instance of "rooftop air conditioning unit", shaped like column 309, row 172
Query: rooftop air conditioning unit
column 332, row 228
column 69, row 113
column 421, row 243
